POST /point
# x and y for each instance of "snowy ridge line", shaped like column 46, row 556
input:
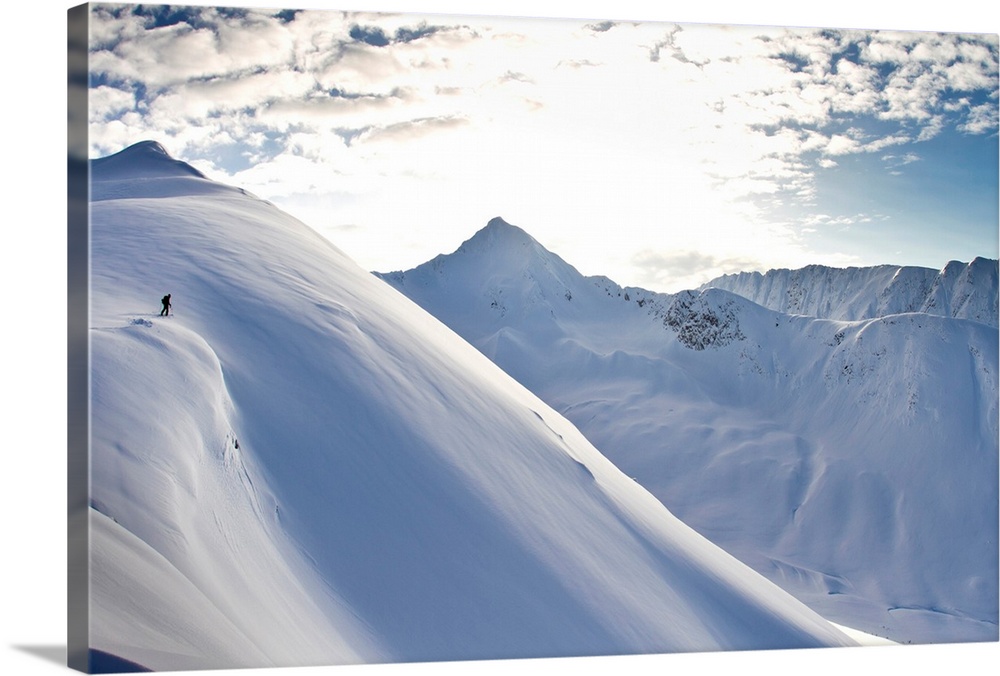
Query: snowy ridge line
column 959, row 290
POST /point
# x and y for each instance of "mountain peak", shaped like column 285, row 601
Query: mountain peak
column 148, row 147
column 499, row 235
column 498, row 227
column 145, row 159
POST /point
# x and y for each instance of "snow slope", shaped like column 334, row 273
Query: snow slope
column 852, row 462
column 962, row 290
column 301, row 466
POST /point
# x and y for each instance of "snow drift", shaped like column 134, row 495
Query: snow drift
column 853, row 462
column 301, row 466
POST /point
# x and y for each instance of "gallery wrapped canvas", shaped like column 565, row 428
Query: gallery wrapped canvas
column 402, row 338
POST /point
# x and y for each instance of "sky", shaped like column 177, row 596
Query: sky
column 659, row 154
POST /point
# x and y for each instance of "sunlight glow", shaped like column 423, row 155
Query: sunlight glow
column 625, row 146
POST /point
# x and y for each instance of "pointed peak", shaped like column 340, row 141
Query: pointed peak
column 500, row 232
column 498, row 225
column 498, row 222
column 499, row 240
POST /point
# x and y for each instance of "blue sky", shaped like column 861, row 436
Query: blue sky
column 660, row 154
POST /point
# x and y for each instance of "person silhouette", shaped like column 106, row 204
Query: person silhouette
column 166, row 305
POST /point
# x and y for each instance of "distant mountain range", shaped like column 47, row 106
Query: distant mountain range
column 959, row 290
column 834, row 429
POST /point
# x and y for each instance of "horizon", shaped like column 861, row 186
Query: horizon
column 659, row 155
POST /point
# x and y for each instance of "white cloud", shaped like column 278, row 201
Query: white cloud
column 886, row 47
column 981, row 120
column 109, row 102
column 842, row 145
column 688, row 269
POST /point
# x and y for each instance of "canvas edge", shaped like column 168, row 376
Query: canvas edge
column 78, row 366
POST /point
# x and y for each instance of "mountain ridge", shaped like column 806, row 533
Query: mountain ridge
column 960, row 290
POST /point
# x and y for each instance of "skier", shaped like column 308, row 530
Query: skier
column 166, row 305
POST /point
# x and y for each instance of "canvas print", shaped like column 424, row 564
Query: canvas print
column 416, row 338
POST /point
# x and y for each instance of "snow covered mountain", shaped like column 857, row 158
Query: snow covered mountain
column 852, row 462
column 300, row 466
column 961, row 290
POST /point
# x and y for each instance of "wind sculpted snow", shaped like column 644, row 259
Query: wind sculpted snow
column 853, row 462
column 301, row 466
